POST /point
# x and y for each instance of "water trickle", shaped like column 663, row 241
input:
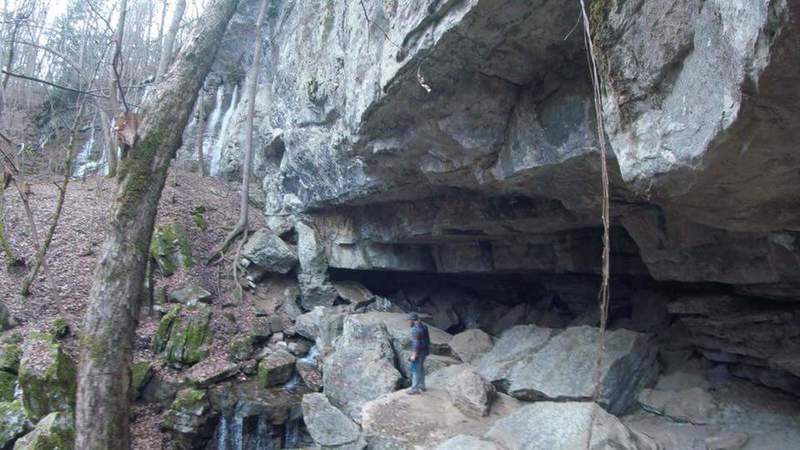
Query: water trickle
column 83, row 164
column 219, row 141
column 312, row 356
column 292, row 435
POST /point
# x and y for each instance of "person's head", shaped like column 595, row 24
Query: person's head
column 413, row 318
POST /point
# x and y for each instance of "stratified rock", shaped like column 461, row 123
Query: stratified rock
column 190, row 295
column 14, row 422
column 464, row 442
column 361, row 367
column 533, row 363
column 189, row 416
column 694, row 405
column 141, row 373
column 170, row 248
column 55, row 431
column 268, row 251
column 469, row 391
column 47, row 376
column 183, row 336
column 565, row 426
column 471, row 344
column 276, row 368
column 327, row 425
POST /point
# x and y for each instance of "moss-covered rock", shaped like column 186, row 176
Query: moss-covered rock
column 47, row 376
column 189, row 415
column 56, row 431
column 276, row 368
column 7, row 321
column 10, row 354
column 59, row 328
column 14, row 422
column 240, row 349
column 198, row 216
column 141, row 373
column 7, row 383
column 183, row 339
column 170, row 248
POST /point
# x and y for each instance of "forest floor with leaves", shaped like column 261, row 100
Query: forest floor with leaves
column 64, row 290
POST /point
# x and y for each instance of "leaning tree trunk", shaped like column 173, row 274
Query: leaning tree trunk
column 111, row 316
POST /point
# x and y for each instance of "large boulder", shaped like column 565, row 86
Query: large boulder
column 170, row 248
column 468, row 391
column 266, row 250
column 471, row 344
column 316, row 290
column 694, row 405
column 327, row 425
column 55, row 431
column 565, row 426
column 276, row 368
column 322, row 325
column 14, row 422
column 402, row 421
column 399, row 330
column 361, row 367
column 183, row 335
column 533, row 363
column 47, row 376
column 354, row 293
column 433, row 363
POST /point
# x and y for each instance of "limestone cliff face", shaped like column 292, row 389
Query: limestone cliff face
column 456, row 136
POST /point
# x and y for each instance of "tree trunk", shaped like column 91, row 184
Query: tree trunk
column 169, row 43
column 108, row 330
column 116, row 90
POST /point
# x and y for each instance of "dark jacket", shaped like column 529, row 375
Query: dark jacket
column 420, row 339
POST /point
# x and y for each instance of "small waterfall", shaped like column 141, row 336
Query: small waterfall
column 230, row 433
column 292, row 437
column 82, row 164
column 293, row 383
column 219, row 142
column 312, row 356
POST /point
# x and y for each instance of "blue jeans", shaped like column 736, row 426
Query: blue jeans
column 418, row 372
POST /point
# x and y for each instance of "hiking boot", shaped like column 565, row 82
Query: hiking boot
column 413, row 391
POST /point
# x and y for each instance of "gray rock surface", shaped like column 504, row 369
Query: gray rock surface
column 468, row 391
column 565, row 426
column 268, row 251
column 464, row 442
column 190, row 295
column 326, row 424
column 469, row 345
column 361, row 368
column 533, row 363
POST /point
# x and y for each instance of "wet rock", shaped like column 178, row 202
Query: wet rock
column 189, row 416
column 54, row 431
column 694, row 405
column 170, row 248
column 361, row 367
column 47, row 376
column 268, row 251
column 311, row 374
column 190, row 295
column 183, row 336
column 141, row 374
column 533, row 363
column 276, row 368
column 14, row 422
column 468, row 391
column 465, row 442
column 326, row 423
column 469, row 345
column 564, row 426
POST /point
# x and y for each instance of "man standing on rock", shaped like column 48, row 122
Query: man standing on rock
column 420, row 348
